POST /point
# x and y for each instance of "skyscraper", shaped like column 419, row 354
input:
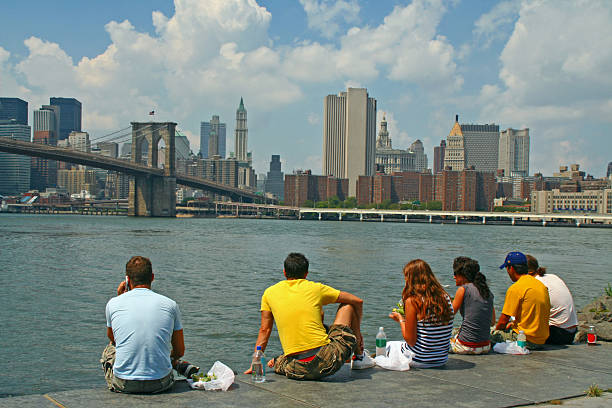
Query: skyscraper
column 43, row 172
column 70, row 115
column 391, row 160
column 420, row 158
column 275, row 182
column 14, row 169
column 438, row 164
column 349, row 136
column 514, row 152
column 609, row 173
column 218, row 130
column 14, row 108
column 472, row 145
column 241, row 133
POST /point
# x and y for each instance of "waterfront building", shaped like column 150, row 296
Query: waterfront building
column 275, row 183
column 584, row 202
column 397, row 187
column 223, row 171
column 43, row 172
column 116, row 185
column 420, row 158
column 390, row 159
column 77, row 180
column 14, row 168
column 438, row 164
column 472, row 145
column 215, row 145
column 466, row 190
column 349, row 135
column 302, row 186
column 14, row 109
column 70, row 111
column 514, row 152
column 241, row 133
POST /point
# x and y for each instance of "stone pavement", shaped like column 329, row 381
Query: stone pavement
column 492, row 380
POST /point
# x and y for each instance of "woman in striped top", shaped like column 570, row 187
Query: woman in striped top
column 428, row 320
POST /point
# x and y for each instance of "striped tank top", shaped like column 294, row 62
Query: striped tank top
column 432, row 344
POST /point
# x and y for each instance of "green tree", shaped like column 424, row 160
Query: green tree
column 308, row 203
column 334, row 202
column 350, row 202
column 322, row 204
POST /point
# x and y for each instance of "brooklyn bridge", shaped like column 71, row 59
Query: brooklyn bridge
column 152, row 189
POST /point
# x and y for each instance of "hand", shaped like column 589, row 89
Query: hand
column 271, row 363
column 509, row 325
column 396, row 316
column 121, row 289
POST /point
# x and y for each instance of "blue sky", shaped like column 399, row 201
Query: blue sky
column 542, row 64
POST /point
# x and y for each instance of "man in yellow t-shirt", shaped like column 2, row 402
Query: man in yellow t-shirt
column 296, row 305
column 528, row 301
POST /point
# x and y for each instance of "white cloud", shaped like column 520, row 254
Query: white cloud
column 399, row 138
column 314, row 119
column 323, row 15
column 497, row 23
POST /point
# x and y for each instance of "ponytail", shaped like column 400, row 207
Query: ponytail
column 480, row 281
column 541, row 271
column 470, row 269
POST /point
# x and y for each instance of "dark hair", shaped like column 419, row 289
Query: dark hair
column 296, row 266
column 470, row 270
column 532, row 265
column 430, row 298
column 139, row 270
column 521, row 269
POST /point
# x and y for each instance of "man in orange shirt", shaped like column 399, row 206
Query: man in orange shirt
column 296, row 305
column 527, row 301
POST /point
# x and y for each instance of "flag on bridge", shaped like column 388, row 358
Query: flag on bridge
column 152, row 113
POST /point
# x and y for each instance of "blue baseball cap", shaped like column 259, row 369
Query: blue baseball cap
column 514, row 258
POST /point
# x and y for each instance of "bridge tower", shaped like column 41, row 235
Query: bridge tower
column 153, row 196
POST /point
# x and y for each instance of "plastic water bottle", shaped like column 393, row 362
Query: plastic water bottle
column 259, row 375
column 521, row 340
column 381, row 342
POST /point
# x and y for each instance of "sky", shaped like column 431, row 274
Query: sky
column 540, row 64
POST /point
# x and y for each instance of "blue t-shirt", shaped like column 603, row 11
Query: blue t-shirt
column 142, row 323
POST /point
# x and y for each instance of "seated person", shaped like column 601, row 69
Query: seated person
column 428, row 321
column 563, row 321
column 145, row 332
column 295, row 304
column 527, row 301
column 474, row 301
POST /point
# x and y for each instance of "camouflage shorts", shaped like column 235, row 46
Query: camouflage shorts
column 327, row 361
column 117, row 384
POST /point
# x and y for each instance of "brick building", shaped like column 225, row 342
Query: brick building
column 303, row 185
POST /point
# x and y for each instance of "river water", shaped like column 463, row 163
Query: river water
column 59, row 271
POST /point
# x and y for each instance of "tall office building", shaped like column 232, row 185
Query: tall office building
column 14, row 169
column 70, row 115
column 212, row 146
column 383, row 141
column 43, row 173
column 14, row 108
column 79, row 141
column 609, row 173
column 349, row 136
column 438, row 164
column 241, row 133
column 275, row 183
column 514, row 152
column 420, row 158
column 472, row 146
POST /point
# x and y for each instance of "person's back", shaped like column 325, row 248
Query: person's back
column 142, row 322
column 562, row 311
column 476, row 312
column 296, row 305
column 529, row 300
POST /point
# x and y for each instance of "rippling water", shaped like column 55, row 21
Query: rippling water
column 58, row 272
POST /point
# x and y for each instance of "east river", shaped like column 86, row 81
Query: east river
column 58, row 272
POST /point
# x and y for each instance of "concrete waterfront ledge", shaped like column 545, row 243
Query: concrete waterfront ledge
column 493, row 380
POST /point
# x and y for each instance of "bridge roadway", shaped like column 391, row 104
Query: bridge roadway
column 123, row 166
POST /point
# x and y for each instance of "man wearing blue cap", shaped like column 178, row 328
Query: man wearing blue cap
column 527, row 301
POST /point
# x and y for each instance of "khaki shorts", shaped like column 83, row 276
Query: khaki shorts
column 117, row 384
column 459, row 348
column 327, row 361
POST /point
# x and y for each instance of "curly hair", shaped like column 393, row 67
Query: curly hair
column 470, row 270
column 532, row 265
column 430, row 298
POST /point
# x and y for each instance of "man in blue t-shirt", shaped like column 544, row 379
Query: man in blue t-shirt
column 145, row 332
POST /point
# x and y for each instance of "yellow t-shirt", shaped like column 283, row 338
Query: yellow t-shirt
column 527, row 300
column 296, row 305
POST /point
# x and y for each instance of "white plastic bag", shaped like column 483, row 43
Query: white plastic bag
column 225, row 378
column 395, row 359
column 510, row 347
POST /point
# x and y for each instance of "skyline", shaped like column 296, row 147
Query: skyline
column 423, row 61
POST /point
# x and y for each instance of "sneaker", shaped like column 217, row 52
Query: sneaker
column 186, row 369
column 362, row 362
